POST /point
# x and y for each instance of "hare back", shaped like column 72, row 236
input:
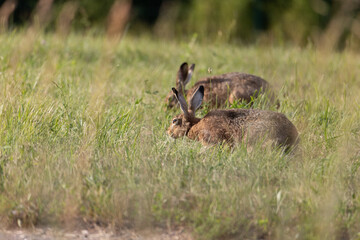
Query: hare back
column 244, row 125
column 218, row 89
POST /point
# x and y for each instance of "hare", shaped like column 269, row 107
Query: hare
column 220, row 88
column 231, row 125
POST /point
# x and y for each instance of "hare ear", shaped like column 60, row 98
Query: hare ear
column 181, row 76
column 196, row 99
column 182, row 102
column 189, row 74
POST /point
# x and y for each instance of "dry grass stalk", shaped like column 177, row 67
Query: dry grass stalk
column 42, row 13
column 164, row 26
column 342, row 21
column 66, row 17
column 118, row 17
column 6, row 10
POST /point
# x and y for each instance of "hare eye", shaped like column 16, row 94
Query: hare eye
column 175, row 120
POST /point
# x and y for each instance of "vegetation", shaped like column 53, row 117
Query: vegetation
column 329, row 24
column 82, row 136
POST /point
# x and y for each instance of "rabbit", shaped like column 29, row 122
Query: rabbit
column 231, row 125
column 220, row 88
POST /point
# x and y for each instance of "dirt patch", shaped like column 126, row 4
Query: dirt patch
column 98, row 234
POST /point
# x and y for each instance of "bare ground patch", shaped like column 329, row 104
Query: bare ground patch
column 101, row 234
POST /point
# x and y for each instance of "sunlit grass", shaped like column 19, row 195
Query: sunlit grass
column 82, row 133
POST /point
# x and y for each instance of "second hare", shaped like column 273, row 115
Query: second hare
column 231, row 125
column 219, row 89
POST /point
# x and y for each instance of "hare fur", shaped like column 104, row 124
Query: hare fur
column 231, row 125
column 219, row 89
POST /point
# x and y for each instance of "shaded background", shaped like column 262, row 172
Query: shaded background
column 330, row 24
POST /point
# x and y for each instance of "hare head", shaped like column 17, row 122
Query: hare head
column 182, row 78
column 182, row 123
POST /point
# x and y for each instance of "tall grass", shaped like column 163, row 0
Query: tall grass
column 82, row 136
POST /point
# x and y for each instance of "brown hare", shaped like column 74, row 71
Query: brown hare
column 219, row 89
column 231, row 125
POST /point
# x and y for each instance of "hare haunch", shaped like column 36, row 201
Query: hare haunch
column 231, row 125
column 220, row 88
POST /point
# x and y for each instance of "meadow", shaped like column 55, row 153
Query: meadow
column 83, row 140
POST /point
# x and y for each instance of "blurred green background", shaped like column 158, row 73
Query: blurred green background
column 333, row 24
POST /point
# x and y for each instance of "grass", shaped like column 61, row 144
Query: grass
column 82, row 136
